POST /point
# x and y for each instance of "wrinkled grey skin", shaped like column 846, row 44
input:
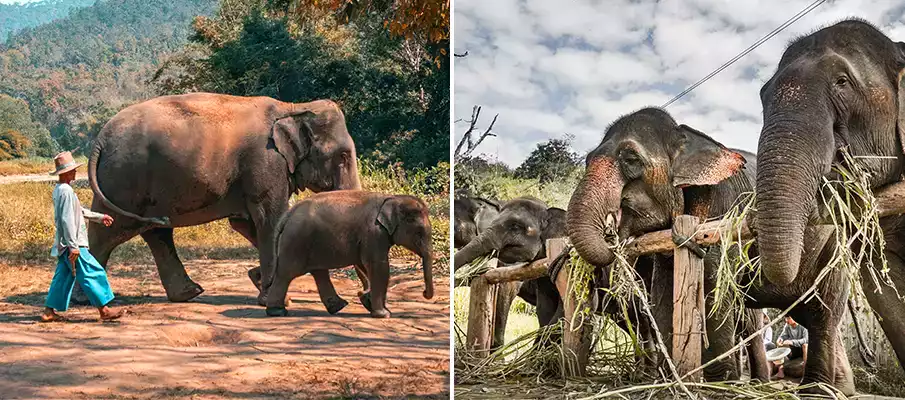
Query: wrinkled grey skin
column 186, row 160
column 471, row 216
column 341, row 228
column 839, row 86
column 647, row 170
column 519, row 234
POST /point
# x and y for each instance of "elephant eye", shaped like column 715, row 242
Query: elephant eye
column 631, row 163
column 842, row 81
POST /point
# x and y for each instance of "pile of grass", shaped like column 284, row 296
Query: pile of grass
column 478, row 266
column 852, row 209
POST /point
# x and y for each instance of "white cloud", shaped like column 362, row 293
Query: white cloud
column 556, row 67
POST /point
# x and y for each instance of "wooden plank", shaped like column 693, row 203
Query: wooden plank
column 687, row 317
column 576, row 332
column 890, row 201
column 479, row 332
column 519, row 271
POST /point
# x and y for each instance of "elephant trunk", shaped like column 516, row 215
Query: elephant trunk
column 792, row 156
column 479, row 246
column 427, row 261
column 594, row 209
column 351, row 182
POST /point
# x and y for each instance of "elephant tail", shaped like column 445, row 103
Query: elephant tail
column 96, row 188
column 277, row 234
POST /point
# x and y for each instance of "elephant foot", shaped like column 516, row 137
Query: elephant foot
column 255, row 275
column 277, row 311
column 262, row 300
column 365, row 299
column 384, row 313
column 818, row 391
column 335, row 304
column 189, row 292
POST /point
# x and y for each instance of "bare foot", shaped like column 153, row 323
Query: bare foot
column 51, row 316
column 108, row 314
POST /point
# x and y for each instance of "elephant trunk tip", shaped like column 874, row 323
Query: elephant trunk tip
column 781, row 271
column 429, row 293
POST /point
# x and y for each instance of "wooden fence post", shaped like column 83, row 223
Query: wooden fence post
column 576, row 342
column 481, row 307
column 687, row 318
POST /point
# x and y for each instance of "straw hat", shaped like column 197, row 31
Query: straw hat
column 64, row 163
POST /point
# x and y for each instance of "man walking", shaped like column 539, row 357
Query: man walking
column 70, row 247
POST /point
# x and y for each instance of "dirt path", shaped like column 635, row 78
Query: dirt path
column 221, row 345
column 8, row 179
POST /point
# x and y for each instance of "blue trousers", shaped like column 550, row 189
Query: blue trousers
column 88, row 273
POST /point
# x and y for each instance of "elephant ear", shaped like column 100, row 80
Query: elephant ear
column 554, row 223
column 900, row 92
column 700, row 160
column 386, row 216
column 292, row 137
column 489, row 203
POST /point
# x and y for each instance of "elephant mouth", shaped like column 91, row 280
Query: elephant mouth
column 513, row 254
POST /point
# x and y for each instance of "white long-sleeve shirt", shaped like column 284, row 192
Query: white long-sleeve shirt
column 69, row 219
column 768, row 335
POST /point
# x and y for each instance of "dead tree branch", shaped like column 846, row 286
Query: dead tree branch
column 468, row 139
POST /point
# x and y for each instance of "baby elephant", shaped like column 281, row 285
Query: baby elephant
column 349, row 227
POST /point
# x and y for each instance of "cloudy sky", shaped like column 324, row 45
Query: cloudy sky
column 551, row 68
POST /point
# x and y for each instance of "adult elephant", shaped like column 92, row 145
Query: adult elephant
column 647, row 170
column 838, row 87
column 471, row 216
column 519, row 234
column 186, row 160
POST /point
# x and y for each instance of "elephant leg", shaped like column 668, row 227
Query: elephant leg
column 331, row 300
column 265, row 214
column 721, row 333
column 888, row 308
column 362, row 275
column 279, row 288
column 380, row 279
column 176, row 282
column 247, row 229
column 506, row 292
column 102, row 241
column 757, row 354
column 844, row 380
column 821, row 347
column 548, row 302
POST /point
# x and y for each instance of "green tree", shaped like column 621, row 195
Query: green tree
column 15, row 116
column 13, row 145
column 550, row 161
column 75, row 70
column 395, row 97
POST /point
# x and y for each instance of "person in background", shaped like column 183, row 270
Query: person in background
column 768, row 333
column 795, row 337
column 74, row 262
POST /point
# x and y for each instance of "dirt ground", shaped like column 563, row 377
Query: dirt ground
column 221, row 345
